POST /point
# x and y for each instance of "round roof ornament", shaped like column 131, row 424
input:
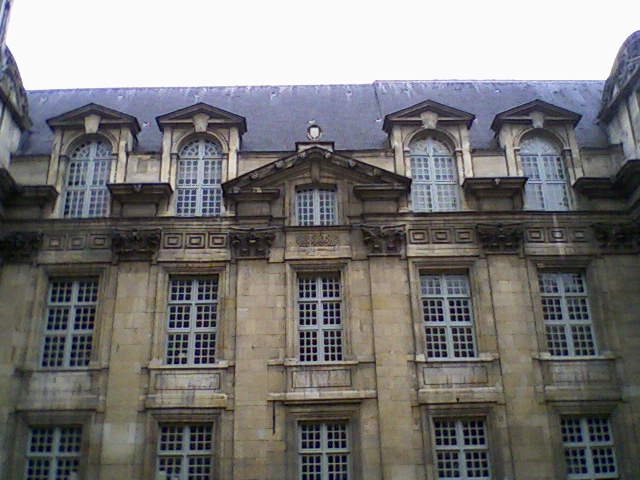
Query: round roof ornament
column 314, row 132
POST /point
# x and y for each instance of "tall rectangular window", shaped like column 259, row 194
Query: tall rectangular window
column 434, row 184
column 185, row 452
column 316, row 206
column 53, row 452
column 461, row 449
column 192, row 323
column 69, row 323
column 448, row 316
column 319, row 304
column 323, row 451
column 588, row 448
column 199, row 178
column 566, row 314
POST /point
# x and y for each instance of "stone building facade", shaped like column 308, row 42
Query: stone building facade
column 401, row 280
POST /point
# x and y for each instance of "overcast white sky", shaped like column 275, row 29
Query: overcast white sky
column 125, row 43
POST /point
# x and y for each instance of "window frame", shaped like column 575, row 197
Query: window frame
column 218, row 162
column 192, row 332
column 429, row 186
column 316, row 191
column 324, row 452
column 448, row 324
column 69, row 334
column 86, row 188
column 587, row 446
column 566, row 323
column 57, row 454
column 546, row 181
column 461, row 446
column 347, row 413
column 185, row 452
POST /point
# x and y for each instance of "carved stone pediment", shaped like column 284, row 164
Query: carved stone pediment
column 135, row 245
column 383, row 240
column 251, row 242
column 500, row 238
column 19, row 246
column 620, row 237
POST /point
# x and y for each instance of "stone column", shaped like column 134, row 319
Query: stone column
column 394, row 345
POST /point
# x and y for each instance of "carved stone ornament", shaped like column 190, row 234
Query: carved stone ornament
column 383, row 240
column 251, row 242
column 500, row 238
column 625, row 69
column 19, row 246
column 623, row 237
column 135, row 245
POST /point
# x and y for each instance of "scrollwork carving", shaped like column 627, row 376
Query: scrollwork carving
column 617, row 237
column 251, row 242
column 19, row 246
column 383, row 240
column 500, row 238
column 135, row 245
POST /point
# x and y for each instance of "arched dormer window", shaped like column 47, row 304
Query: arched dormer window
column 85, row 187
column 434, row 176
column 546, row 187
column 199, row 177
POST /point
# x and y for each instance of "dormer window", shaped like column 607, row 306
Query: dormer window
column 434, row 176
column 199, row 177
column 85, row 187
column 316, row 206
column 542, row 164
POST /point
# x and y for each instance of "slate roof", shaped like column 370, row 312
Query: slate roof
column 350, row 115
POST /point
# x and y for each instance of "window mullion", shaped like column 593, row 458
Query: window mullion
column 70, row 325
column 319, row 317
column 565, row 316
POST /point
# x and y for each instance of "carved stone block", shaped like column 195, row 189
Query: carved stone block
column 135, row 245
column 383, row 240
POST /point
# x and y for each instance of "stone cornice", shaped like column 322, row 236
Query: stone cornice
column 379, row 192
column 135, row 245
column 492, row 187
column 19, row 246
column 383, row 239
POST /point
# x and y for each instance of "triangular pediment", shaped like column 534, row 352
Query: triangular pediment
column 297, row 164
column 202, row 112
column 535, row 112
column 105, row 116
column 427, row 112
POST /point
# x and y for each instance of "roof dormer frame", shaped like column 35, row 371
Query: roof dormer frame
column 200, row 119
column 538, row 117
column 425, row 118
column 92, row 120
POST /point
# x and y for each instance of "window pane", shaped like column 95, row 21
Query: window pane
column 199, row 177
column 88, row 172
column 434, row 177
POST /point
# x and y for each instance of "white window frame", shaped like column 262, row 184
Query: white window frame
column 316, row 206
column 462, row 448
column 441, row 310
column 562, row 330
column 193, row 309
column 185, row 453
column 56, row 454
column 206, row 181
column 434, row 177
column 85, row 188
column 316, row 339
column 323, row 452
column 547, row 178
column 67, row 329
column 587, row 444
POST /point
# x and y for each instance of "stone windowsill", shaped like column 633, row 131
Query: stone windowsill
column 482, row 358
column 219, row 365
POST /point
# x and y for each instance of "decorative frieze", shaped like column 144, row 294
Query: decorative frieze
column 135, row 245
column 19, row 246
column 251, row 242
column 620, row 237
column 316, row 239
column 500, row 238
column 383, row 240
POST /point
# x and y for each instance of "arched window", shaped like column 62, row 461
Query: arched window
column 199, row 177
column 546, row 187
column 86, row 193
column 434, row 176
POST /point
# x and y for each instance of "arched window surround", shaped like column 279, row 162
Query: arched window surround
column 434, row 166
column 88, row 169
column 199, row 172
column 542, row 159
